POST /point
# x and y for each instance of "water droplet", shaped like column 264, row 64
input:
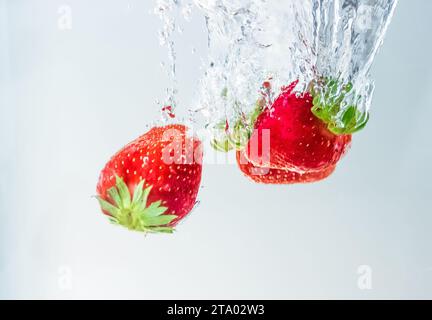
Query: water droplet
column 187, row 11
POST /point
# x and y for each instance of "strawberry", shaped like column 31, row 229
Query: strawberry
column 299, row 140
column 279, row 176
column 300, row 137
column 153, row 182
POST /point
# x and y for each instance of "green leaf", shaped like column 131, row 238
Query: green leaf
column 362, row 124
column 113, row 220
column 158, row 221
column 154, row 211
column 124, row 192
column 114, row 195
column 162, row 229
column 133, row 214
column 145, row 196
column 108, row 207
column 348, row 87
column 155, row 204
column 138, row 192
column 337, row 130
column 349, row 116
column 329, row 105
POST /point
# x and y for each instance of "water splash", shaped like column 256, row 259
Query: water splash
column 254, row 42
column 165, row 9
column 169, row 12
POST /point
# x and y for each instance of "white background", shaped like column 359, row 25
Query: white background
column 71, row 98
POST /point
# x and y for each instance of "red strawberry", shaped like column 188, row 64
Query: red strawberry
column 279, row 176
column 153, row 182
column 299, row 140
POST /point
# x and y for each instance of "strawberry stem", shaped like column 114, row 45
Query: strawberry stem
column 133, row 212
column 331, row 106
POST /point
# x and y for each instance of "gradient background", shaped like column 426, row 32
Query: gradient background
column 70, row 98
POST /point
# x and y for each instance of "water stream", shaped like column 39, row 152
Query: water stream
column 256, row 47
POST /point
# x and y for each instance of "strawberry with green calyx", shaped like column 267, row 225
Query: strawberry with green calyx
column 153, row 182
column 299, row 141
column 329, row 105
column 132, row 211
column 329, row 98
column 308, row 133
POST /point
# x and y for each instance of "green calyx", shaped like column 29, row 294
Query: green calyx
column 133, row 212
column 236, row 138
column 329, row 105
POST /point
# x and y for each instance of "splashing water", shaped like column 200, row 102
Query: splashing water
column 257, row 47
column 164, row 9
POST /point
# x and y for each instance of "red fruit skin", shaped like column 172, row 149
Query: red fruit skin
column 176, row 184
column 279, row 176
column 298, row 140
